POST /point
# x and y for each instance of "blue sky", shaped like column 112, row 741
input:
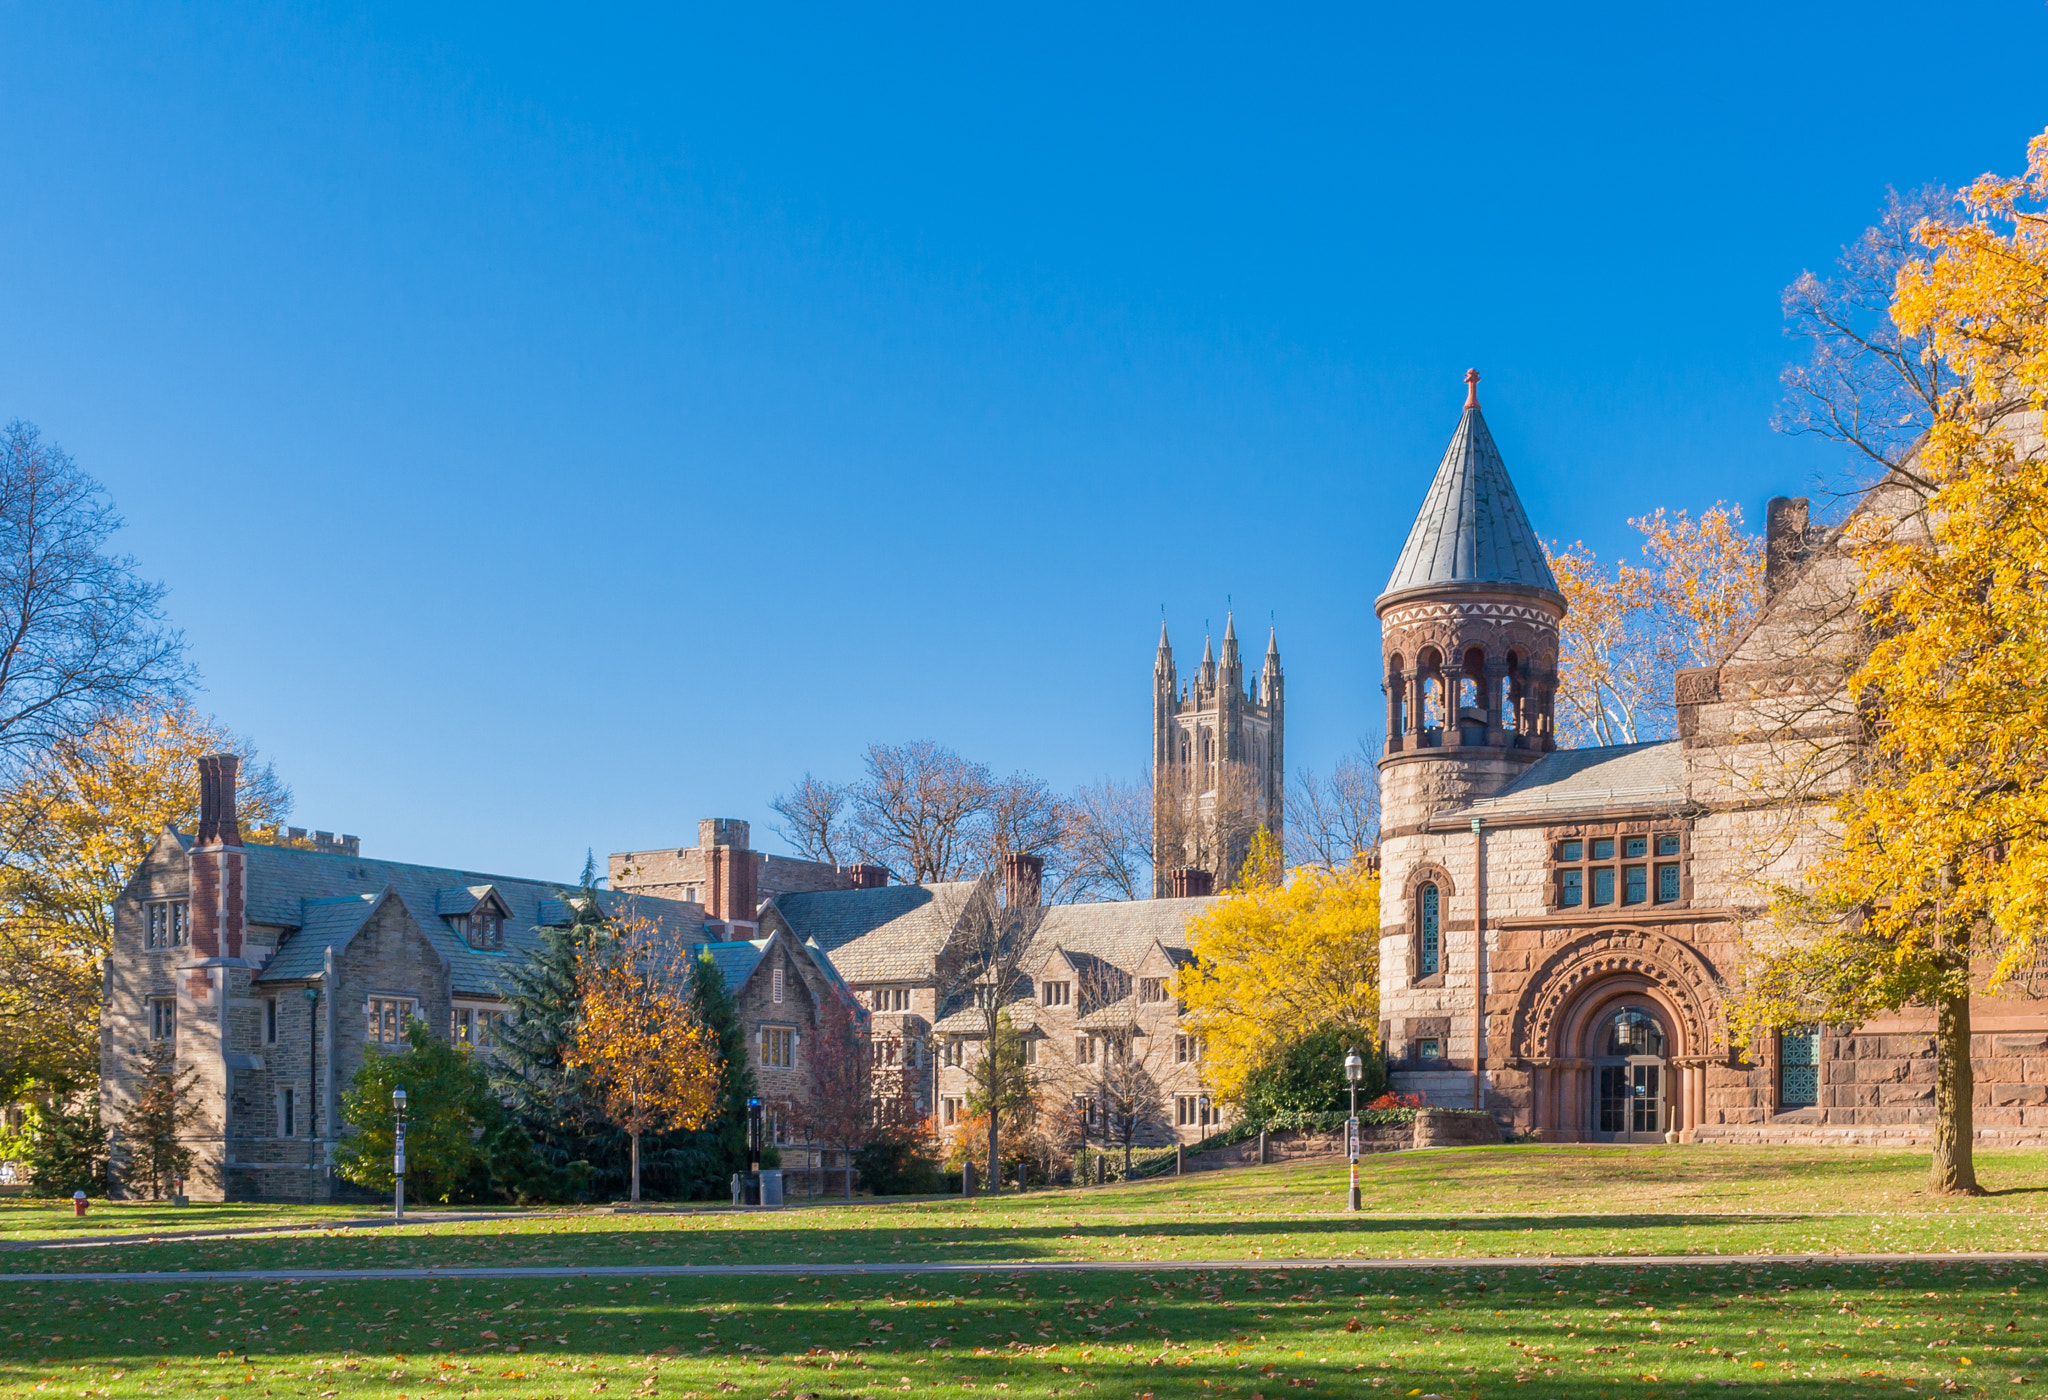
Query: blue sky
column 555, row 427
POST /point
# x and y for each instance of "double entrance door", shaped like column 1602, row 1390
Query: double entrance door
column 1630, row 1085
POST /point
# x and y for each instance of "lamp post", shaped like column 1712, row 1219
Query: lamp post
column 1354, row 1070
column 754, row 1134
column 398, row 1151
column 312, row 1089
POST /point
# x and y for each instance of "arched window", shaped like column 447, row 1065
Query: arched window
column 1429, row 956
column 1635, row 1032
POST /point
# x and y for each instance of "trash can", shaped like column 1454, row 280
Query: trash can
column 771, row 1186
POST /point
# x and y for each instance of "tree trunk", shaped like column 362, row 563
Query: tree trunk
column 636, row 1169
column 1954, row 1170
column 995, row 1170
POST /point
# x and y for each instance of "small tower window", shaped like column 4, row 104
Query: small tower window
column 1430, row 955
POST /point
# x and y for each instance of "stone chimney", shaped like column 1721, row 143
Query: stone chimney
column 219, row 892
column 866, row 877
column 1786, row 542
column 218, row 824
column 1192, row 883
column 731, row 871
column 1023, row 876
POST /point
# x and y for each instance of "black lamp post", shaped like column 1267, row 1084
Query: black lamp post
column 1354, row 1070
column 398, row 1151
column 754, row 1134
column 312, row 1088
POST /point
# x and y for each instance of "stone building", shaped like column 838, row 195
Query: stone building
column 268, row 970
column 724, row 874
column 1219, row 762
column 1561, row 929
column 1090, row 976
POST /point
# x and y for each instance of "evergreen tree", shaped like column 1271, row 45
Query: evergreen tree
column 703, row 1160
column 156, row 1123
column 568, row 1153
column 68, row 1148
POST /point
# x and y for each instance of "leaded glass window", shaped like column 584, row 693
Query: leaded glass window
column 1799, row 1068
column 1431, row 955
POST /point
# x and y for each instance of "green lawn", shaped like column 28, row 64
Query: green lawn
column 23, row 1219
column 1518, row 1201
column 1823, row 1330
column 1255, row 1331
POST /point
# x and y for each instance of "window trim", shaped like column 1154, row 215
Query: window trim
column 776, row 1046
column 1577, row 867
column 176, row 925
column 1429, row 930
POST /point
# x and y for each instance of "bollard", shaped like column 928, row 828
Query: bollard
column 1180, row 1159
column 967, row 1180
column 1262, row 1147
column 1100, row 1168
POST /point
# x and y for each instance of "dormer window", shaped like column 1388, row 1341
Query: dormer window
column 485, row 930
column 476, row 914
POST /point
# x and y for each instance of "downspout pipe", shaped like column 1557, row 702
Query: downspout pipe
column 1478, row 965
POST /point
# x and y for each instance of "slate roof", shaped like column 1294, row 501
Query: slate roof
column 1472, row 528
column 735, row 961
column 325, row 923
column 1573, row 780
column 310, row 893
column 893, row 934
column 967, row 1020
column 1119, row 932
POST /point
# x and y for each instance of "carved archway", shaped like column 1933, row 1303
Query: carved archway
column 1589, row 971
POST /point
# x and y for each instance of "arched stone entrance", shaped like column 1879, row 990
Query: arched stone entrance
column 1616, row 1029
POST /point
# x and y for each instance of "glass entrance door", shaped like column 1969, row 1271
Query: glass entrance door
column 1629, row 1080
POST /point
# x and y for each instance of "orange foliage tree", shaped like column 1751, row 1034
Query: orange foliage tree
column 647, row 1058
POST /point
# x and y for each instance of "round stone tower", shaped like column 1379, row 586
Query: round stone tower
column 1469, row 637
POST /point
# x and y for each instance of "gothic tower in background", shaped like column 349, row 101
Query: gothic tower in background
column 1218, row 764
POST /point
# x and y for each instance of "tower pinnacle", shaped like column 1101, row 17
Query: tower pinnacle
column 1471, row 388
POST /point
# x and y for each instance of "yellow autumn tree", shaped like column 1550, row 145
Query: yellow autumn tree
column 1280, row 958
column 73, row 828
column 646, row 1057
column 1938, row 880
column 1627, row 633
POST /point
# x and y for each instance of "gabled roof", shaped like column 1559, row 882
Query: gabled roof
column 1120, row 932
column 1579, row 780
column 465, row 899
column 323, row 924
column 1472, row 530
column 735, row 961
column 284, row 882
column 890, row 934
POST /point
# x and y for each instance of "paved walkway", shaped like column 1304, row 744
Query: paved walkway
column 1035, row 1266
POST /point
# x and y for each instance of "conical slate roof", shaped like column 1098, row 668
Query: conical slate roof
column 1472, row 528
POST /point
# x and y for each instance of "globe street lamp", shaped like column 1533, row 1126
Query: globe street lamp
column 1354, row 1070
column 398, row 1151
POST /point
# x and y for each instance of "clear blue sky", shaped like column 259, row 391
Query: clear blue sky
column 555, row 426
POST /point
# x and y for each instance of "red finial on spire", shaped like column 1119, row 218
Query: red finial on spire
column 1471, row 388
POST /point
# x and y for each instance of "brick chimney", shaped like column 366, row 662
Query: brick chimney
column 1786, row 541
column 866, row 877
column 1192, row 883
column 731, row 871
column 1023, row 875
column 219, row 891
